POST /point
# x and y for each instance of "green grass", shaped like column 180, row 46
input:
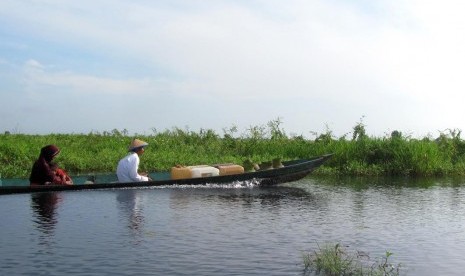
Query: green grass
column 334, row 260
column 359, row 155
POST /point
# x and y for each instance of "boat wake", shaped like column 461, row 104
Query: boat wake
column 233, row 185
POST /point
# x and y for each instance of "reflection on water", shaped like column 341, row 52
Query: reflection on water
column 272, row 196
column 267, row 197
column 361, row 183
column 44, row 207
column 130, row 205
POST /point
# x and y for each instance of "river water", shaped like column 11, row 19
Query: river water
column 234, row 230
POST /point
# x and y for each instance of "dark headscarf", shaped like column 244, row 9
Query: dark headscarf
column 48, row 152
column 42, row 171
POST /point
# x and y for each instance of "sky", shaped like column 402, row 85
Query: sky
column 316, row 65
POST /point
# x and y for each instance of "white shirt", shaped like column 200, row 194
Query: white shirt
column 127, row 169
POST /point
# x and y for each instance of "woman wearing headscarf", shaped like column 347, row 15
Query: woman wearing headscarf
column 45, row 172
column 127, row 170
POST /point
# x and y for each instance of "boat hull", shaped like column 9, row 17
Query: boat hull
column 292, row 171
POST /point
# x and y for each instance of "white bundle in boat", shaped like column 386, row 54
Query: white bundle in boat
column 204, row 171
column 193, row 172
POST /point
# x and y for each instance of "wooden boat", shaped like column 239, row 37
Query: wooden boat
column 291, row 171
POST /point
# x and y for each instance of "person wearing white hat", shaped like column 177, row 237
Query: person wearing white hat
column 127, row 170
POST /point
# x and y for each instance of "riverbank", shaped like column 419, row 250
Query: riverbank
column 359, row 155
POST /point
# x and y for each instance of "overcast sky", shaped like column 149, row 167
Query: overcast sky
column 81, row 66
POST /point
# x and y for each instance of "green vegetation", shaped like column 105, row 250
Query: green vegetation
column 335, row 260
column 358, row 155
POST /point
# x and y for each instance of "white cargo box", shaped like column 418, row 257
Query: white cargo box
column 204, row 171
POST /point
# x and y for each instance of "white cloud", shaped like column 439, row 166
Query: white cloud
column 33, row 65
column 37, row 75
